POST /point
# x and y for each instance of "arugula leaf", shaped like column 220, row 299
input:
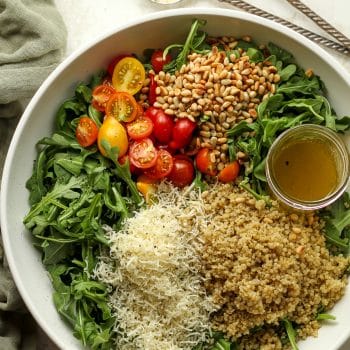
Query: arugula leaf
column 337, row 227
column 323, row 316
column 282, row 55
column 195, row 41
column 290, row 333
column 77, row 299
column 198, row 182
column 255, row 55
column 287, row 72
column 35, row 184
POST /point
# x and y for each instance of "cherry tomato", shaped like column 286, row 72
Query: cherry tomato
column 143, row 154
column 107, row 81
column 100, row 96
column 182, row 173
column 163, row 166
column 158, row 61
column 115, row 134
column 204, row 163
column 122, row 106
column 163, row 127
column 152, row 95
column 151, row 112
column 86, row 132
column 128, row 75
column 146, row 187
column 140, row 128
column 229, row 173
column 182, row 132
column 114, row 62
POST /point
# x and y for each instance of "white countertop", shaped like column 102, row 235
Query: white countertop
column 86, row 19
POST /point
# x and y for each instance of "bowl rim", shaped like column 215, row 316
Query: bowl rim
column 195, row 11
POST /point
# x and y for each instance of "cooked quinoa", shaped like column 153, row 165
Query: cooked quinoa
column 263, row 264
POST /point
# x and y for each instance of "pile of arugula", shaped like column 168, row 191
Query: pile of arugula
column 73, row 193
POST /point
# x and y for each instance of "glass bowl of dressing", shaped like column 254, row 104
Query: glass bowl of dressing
column 307, row 167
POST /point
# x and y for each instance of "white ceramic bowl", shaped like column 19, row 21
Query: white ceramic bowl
column 156, row 30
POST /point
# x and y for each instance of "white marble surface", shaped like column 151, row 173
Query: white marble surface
column 86, row 19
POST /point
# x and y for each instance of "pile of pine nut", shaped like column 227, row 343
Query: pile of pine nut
column 216, row 90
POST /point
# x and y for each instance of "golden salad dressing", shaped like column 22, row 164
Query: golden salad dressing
column 306, row 169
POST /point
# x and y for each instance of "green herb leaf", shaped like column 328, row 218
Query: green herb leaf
column 291, row 333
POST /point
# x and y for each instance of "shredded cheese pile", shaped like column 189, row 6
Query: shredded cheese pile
column 154, row 269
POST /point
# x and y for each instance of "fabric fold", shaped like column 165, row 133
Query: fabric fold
column 32, row 43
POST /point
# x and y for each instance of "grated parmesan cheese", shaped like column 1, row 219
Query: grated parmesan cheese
column 154, row 270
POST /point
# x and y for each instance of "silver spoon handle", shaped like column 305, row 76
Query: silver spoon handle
column 319, row 39
column 322, row 23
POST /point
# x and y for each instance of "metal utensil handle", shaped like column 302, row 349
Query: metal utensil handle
column 305, row 32
column 322, row 23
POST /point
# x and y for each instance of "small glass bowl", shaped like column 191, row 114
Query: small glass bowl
column 339, row 151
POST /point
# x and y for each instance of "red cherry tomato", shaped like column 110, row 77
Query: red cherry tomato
column 140, row 128
column 100, row 96
column 166, row 148
column 152, row 95
column 158, row 61
column 163, row 127
column 86, row 132
column 182, row 132
column 229, row 173
column 151, row 112
column 163, row 166
column 204, row 163
column 114, row 62
column 143, row 154
column 182, row 173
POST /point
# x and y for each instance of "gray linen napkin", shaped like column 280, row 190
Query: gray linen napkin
column 32, row 43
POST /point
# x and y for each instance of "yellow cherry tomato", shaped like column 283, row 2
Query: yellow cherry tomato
column 128, row 75
column 146, row 187
column 122, row 106
column 115, row 134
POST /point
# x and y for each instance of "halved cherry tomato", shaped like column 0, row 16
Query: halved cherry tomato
column 86, row 131
column 146, row 187
column 163, row 127
column 107, row 81
column 229, row 173
column 204, row 163
column 182, row 132
column 152, row 95
column 140, row 128
column 163, row 166
column 143, row 154
column 182, row 173
column 114, row 62
column 158, row 60
column 100, row 96
column 122, row 106
column 115, row 134
column 128, row 75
